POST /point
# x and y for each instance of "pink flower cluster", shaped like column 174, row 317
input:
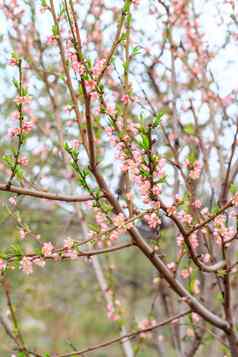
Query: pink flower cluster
column 185, row 273
column 12, row 200
column 51, row 40
column 195, row 173
column 111, row 313
column 27, row 127
column 221, row 231
column 153, row 220
column 26, row 264
column 69, row 252
column 47, row 249
column 2, row 265
column 115, row 228
column 23, row 99
column 146, row 324
column 185, row 217
column 98, row 66
column 235, row 200
column 195, row 169
column 23, row 161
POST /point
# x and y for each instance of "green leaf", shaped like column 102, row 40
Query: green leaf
column 24, row 92
column 215, row 209
column 9, row 160
column 21, row 354
column 19, row 172
column 94, row 227
column 126, row 6
column 143, row 142
column 123, row 37
column 157, row 119
column 15, row 249
column 221, row 273
column 55, row 30
column 189, row 129
column 67, row 147
column 16, row 84
column 192, row 156
column 43, row 3
column 74, row 166
column 233, row 188
column 126, row 66
column 74, row 154
column 144, row 173
column 136, row 51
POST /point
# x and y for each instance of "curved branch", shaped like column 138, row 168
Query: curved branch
column 43, row 194
column 127, row 336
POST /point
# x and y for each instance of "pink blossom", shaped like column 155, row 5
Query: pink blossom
column 110, row 110
column 12, row 132
column 22, row 233
column 111, row 313
column 98, row 66
column 204, row 211
column 23, row 100
column 119, row 220
column 125, row 99
column 197, row 204
column 152, row 219
column 93, row 95
column 171, row 210
column 90, row 85
column 206, row 258
column 12, row 200
column 180, row 241
column 172, row 266
column 235, row 200
column 23, row 161
column 194, row 241
column 71, row 253
column 78, row 67
column 26, row 265
column 47, row 249
column 40, row 262
column 195, row 317
column 15, row 115
column 68, row 243
column 145, row 324
column 228, row 100
column 27, row 126
column 114, row 235
column 75, row 144
column 2, row 264
column 157, row 190
column 13, row 61
column 51, row 40
column 195, row 173
column 185, row 273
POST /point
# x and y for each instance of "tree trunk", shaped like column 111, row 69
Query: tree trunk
column 233, row 343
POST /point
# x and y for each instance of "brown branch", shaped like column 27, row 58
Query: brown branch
column 225, row 185
column 43, row 194
column 127, row 336
column 116, row 42
column 211, row 218
column 61, row 251
column 207, row 268
column 18, row 336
